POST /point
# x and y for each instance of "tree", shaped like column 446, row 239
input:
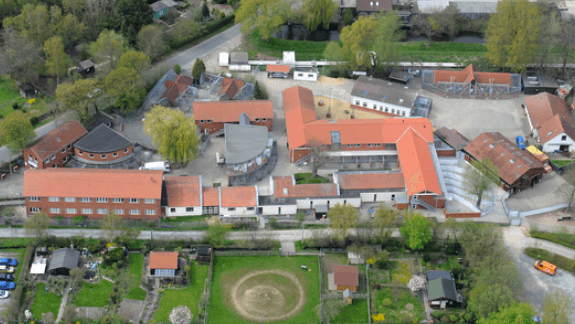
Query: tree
column 198, row 69
column 69, row 315
column 447, row 21
column 317, row 12
column 300, row 217
column 416, row 230
column 333, row 52
column 134, row 60
column 216, row 234
column 175, row 135
column 74, row 7
column 566, row 43
column 384, row 219
column 516, row 313
column 16, row 130
column 152, row 41
column 181, row 315
column 330, row 309
column 388, row 34
column 122, row 85
column 22, row 55
column 132, row 16
column 357, row 41
column 128, row 236
column 70, row 29
column 57, row 62
column 557, row 308
column 348, row 16
column 266, row 15
column 78, row 96
column 37, row 225
column 342, row 218
column 77, row 275
column 96, row 12
column 318, row 156
column 512, row 34
column 205, row 10
column 416, row 283
column 428, row 25
column 111, row 226
column 108, row 49
column 34, row 23
column 366, row 252
column 548, row 38
column 478, row 177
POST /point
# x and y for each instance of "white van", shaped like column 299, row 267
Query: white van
column 161, row 165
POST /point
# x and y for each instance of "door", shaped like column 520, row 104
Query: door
column 564, row 148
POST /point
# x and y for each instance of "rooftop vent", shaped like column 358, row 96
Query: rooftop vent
column 549, row 134
column 518, row 165
column 492, row 145
column 485, row 140
column 512, row 160
column 502, row 153
column 384, row 97
column 58, row 139
column 285, row 191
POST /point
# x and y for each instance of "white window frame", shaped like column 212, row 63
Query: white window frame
column 172, row 210
column 69, row 199
column 150, row 212
column 189, row 209
column 102, row 200
column 149, row 201
column 34, row 198
column 87, row 211
column 119, row 211
column 118, row 200
column 86, row 199
column 126, row 150
column 54, row 210
column 134, row 201
column 103, row 156
column 35, row 210
column 134, row 212
column 71, row 211
column 102, row 211
column 115, row 154
column 53, row 199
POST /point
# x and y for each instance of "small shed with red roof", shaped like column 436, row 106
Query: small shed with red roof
column 278, row 71
column 164, row 264
column 343, row 277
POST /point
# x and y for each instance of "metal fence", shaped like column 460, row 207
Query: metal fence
column 247, row 253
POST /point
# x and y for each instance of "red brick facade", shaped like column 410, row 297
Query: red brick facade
column 108, row 157
column 462, row 215
column 57, row 160
column 435, row 201
column 446, row 153
column 214, row 127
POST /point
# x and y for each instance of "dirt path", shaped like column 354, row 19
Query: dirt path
column 256, row 317
column 63, row 305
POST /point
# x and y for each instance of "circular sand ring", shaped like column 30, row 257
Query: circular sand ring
column 252, row 311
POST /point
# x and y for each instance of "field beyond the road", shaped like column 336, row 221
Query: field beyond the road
column 245, row 289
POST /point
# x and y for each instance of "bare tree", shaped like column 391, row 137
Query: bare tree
column 566, row 44
column 384, row 219
column 567, row 189
column 37, row 225
column 479, row 176
column 24, row 57
column 318, row 156
column 111, row 226
column 426, row 26
column 557, row 308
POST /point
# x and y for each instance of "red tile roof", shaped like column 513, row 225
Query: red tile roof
column 183, row 191
column 374, row 5
column 239, row 196
column 469, row 74
column 543, row 106
column 172, row 94
column 230, row 111
column 93, row 183
column 211, row 196
column 184, row 80
column 511, row 161
column 299, row 109
column 163, row 260
column 417, row 164
column 174, row 88
column 68, row 133
column 278, row 68
column 553, row 127
column 379, row 180
column 345, row 275
column 284, row 187
column 230, row 87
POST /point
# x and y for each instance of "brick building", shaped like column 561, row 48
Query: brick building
column 103, row 145
column 211, row 116
column 93, row 193
column 55, row 148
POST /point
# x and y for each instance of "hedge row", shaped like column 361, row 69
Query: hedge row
column 207, row 29
column 564, row 239
column 560, row 261
column 16, row 307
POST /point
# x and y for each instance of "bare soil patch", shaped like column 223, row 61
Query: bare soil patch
column 340, row 110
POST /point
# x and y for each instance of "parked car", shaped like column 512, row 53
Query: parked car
column 546, row 267
column 7, row 285
column 6, row 276
column 4, row 294
column 520, row 142
column 9, row 262
column 6, row 269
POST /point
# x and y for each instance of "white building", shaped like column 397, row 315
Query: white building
column 184, row 196
column 306, row 73
column 238, row 201
column 239, row 62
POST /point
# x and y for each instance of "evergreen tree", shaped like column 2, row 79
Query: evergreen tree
column 198, row 69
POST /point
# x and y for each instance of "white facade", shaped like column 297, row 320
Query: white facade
column 399, row 111
column 240, row 67
column 379, row 196
column 557, row 142
column 238, row 211
column 183, row 211
column 279, row 210
column 305, row 75
column 310, row 203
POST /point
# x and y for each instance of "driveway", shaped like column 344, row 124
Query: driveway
column 544, row 194
column 536, row 284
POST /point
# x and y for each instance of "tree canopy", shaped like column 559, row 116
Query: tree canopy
column 109, row 47
column 479, row 177
column 317, row 12
column 388, row 34
column 37, row 225
column 357, row 41
column 557, row 308
column 416, row 230
column 266, row 15
column 383, row 220
column 198, row 68
column 175, row 135
column 78, row 95
column 134, row 60
column 151, row 41
column 17, row 130
column 57, row 61
column 342, row 218
column 516, row 313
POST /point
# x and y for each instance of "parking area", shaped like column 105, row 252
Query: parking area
column 5, row 303
column 544, row 194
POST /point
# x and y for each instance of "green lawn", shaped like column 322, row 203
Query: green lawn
column 45, row 302
column 304, row 178
column 227, row 270
column 94, row 295
column 449, row 264
column 399, row 298
column 8, row 90
column 356, row 313
column 561, row 163
column 304, row 50
column 136, row 265
column 189, row 296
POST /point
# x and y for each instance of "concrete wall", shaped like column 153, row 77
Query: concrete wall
column 181, row 211
column 379, row 196
column 306, row 202
column 240, row 68
column 305, row 76
column 238, row 211
column 274, row 210
column 382, row 106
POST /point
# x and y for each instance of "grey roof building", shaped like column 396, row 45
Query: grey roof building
column 441, row 289
column 435, row 274
column 245, row 143
column 64, row 260
column 238, row 58
column 103, row 140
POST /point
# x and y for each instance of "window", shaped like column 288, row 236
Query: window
column 53, row 165
column 378, row 145
column 85, row 199
column 300, row 74
column 201, row 121
column 357, row 145
column 47, row 161
column 64, row 150
column 54, row 210
column 232, row 209
column 33, row 198
column 35, row 209
column 310, row 75
column 102, row 200
column 134, row 200
column 71, row 210
column 70, row 199
column 189, row 209
column 87, row 211
column 149, row 201
column 119, row 211
column 80, row 152
column 53, row 156
column 126, row 150
column 377, row 3
column 365, row 104
column 257, row 119
column 392, row 197
column 64, row 160
column 264, row 119
column 350, row 145
column 403, row 113
column 103, row 156
column 118, row 200
column 371, row 3
column 250, row 208
column 375, row 106
column 386, row 110
column 564, row 137
column 69, row 146
column 53, row 199
column 369, row 145
column 150, row 212
column 172, row 210
column 134, row 212
column 115, row 154
column 91, row 155
column 357, row 102
column 102, row 211
column 393, row 111
column 209, row 121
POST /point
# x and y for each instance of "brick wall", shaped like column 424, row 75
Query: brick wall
column 58, row 159
column 97, row 157
column 446, row 153
column 438, row 202
column 214, row 127
column 462, row 215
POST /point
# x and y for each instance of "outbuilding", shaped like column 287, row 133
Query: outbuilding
column 63, row 261
column 306, row 73
column 163, row 264
column 278, row 71
column 239, row 62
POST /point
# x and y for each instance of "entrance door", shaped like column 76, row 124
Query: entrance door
column 564, row 148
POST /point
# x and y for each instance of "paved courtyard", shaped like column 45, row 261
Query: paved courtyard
column 544, row 194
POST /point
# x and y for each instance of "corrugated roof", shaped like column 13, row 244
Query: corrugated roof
column 374, row 5
column 211, row 196
column 163, row 260
column 284, row 187
column 511, row 161
column 64, row 135
column 94, row 183
column 183, row 191
column 238, row 58
column 278, row 68
column 230, row 111
column 345, row 275
column 379, row 180
column 239, row 196
column 103, row 140
column 417, row 164
column 452, row 137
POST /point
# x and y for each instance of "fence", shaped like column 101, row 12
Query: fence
column 207, row 288
column 320, row 289
column 247, row 253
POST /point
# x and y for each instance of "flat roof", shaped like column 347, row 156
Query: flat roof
column 244, row 143
column 533, row 79
column 384, row 91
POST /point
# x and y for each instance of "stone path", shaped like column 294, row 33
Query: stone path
column 288, row 247
column 63, row 305
column 150, row 308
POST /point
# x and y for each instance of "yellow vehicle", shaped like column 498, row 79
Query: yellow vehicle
column 546, row 267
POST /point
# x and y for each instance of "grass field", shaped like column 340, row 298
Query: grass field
column 561, row 163
column 136, row 265
column 305, row 178
column 189, row 296
column 45, row 302
column 396, row 311
column 356, row 313
column 94, row 295
column 304, row 50
column 228, row 270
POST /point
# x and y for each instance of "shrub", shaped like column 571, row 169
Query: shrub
column 560, row 261
column 15, row 106
column 334, row 73
column 94, row 247
column 177, row 68
column 222, row 15
column 386, row 302
column 453, row 318
column 34, row 120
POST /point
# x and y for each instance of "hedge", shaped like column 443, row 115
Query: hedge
column 560, row 261
column 207, row 29
column 564, row 239
column 20, row 291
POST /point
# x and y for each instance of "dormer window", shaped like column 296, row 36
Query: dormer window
column 564, row 137
column 512, row 160
column 371, row 3
column 285, row 191
column 492, row 145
